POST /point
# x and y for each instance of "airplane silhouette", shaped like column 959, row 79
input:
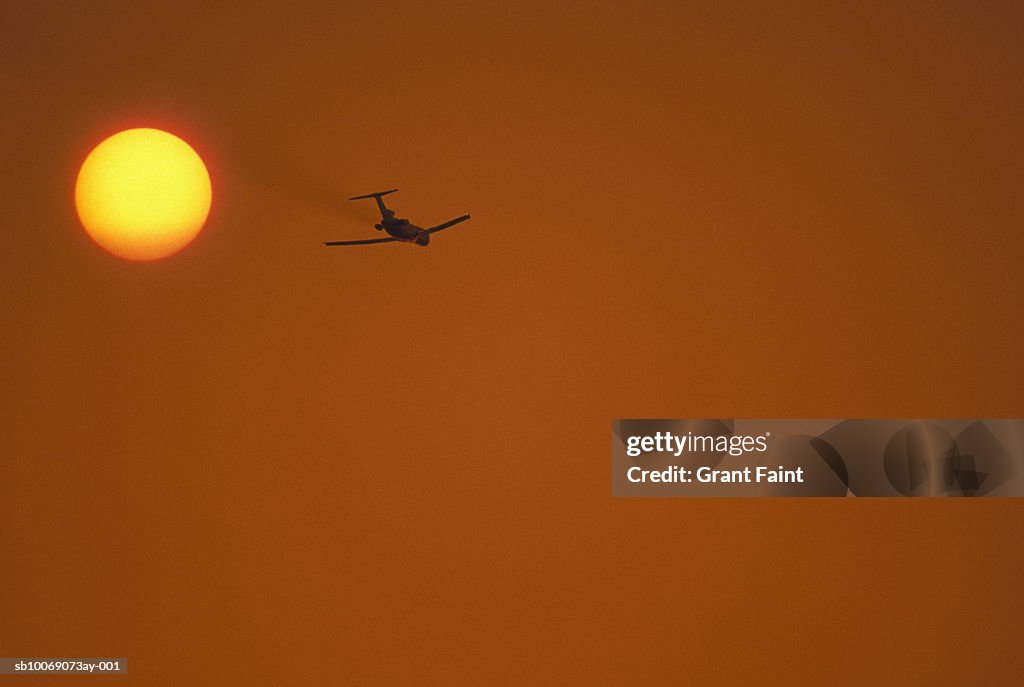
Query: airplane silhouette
column 399, row 229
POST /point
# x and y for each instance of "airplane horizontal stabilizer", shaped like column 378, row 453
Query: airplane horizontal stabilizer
column 374, row 195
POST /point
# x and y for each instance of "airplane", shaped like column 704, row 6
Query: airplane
column 399, row 229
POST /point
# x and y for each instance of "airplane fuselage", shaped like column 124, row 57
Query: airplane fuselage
column 404, row 230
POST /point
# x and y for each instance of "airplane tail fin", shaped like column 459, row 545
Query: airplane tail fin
column 378, row 194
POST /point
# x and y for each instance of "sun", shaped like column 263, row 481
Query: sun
column 143, row 194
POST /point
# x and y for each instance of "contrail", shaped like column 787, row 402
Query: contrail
column 315, row 192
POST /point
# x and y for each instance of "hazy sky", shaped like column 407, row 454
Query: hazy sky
column 264, row 461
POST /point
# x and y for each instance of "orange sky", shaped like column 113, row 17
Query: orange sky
column 264, row 461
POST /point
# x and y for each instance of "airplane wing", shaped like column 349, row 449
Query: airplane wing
column 447, row 224
column 363, row 242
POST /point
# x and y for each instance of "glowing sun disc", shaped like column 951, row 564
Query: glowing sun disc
column 143, row 194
